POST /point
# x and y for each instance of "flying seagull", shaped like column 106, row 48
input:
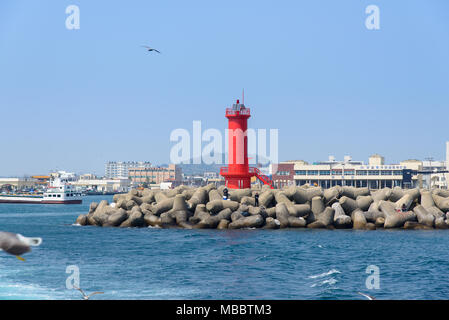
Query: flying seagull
column 16, row 244
column 367, row 296
column 85, row 296
column 151, row 49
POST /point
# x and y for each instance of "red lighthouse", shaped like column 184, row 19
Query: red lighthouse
column 238, row 173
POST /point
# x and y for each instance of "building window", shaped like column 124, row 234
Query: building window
column 325, row 172
column 386, row 172
column 312, row 172
column 300, row 172
column 373, row 172
column 361, row 172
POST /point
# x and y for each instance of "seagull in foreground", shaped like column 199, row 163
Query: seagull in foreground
column 367, row 296
column 16, row 244
column 85, row 296
column 151, row 49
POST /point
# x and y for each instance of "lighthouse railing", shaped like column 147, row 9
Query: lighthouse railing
column 232, row 112
column 251, row 170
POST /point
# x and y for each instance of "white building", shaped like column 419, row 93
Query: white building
column 374, row 175
column 120, row 169
column 64, row 175
column 438, row 179
column 17, row 183
column 434, row 180
column 103, row 185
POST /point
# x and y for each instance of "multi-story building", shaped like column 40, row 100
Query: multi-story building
column 156, row 175
column 120, row 169
column 434, row 179
column 374, row 175
column 437, row 175
column 283, row 174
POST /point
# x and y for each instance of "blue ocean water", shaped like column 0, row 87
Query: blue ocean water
column 153, row 263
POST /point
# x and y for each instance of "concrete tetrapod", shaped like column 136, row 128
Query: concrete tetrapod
column 290, row 207
column 441, row 203
column 271, row 223
column 247, row 222
column 364, row 202
column 348, row 204
column 394, row 219
column 359, row 220
column 282, row 215
column 423, row 216
column 341, row 220
column 373, row 213
column 218, row 205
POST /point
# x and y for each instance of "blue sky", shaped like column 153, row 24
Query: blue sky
column 73, row 99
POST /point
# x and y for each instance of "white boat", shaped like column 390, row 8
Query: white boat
column 58, row 192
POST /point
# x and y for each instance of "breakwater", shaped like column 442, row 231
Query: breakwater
column 291, row 207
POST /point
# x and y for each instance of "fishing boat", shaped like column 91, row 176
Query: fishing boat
column 58, row 192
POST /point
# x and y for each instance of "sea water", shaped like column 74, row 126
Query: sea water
column 151, row 263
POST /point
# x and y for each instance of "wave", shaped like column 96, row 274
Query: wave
column 330, row 282
column 261, row 258
column 25, row 292
column 321, row 275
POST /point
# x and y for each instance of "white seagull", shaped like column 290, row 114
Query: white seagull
column 366, row 296
column 16, row 244
column 151, row 49
column 85, row 296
